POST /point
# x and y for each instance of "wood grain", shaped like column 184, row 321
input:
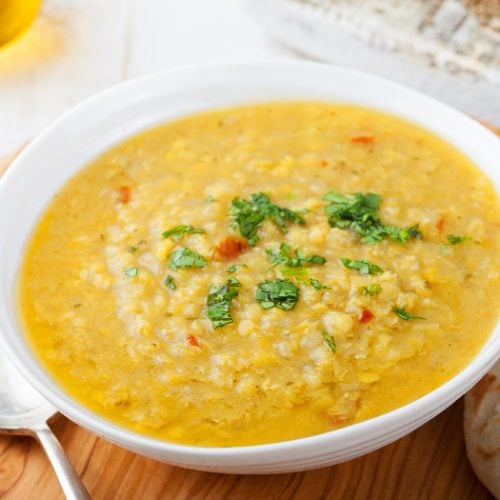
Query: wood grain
column 430, row 463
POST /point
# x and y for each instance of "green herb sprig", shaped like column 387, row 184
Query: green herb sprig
column 404, row 314
column 249, row 215
column 134, row 248
column 317, row 285
column 178, row 232
column 279, row 293
column 131, row 272
column 233, row 268
column 183, row 258
column 329, row 340
column 170, row 282
column 371, row 290
column 219, row 302
column 359, row 212
column 363, row 266
column 284, row 255
column 455, row 240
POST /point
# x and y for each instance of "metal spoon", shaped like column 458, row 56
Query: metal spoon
column 23, row 411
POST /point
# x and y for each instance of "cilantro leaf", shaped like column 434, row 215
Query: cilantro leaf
column 233, row 281
column 371, row 290
column 317, row 285
column 178, row 232
column 134, row 248
column 356, row 211
column 359, row 212
column 131, row 272
column 329, row 340
column 455, row 240
column 282, row 294
column 169, row 281
column 249, row 215
column 183, row 257
column 219, row 302
column 402, row 235
column 284, row 255
column 363, row 266
column 232, row 269
column 404, row 314
column 296, row 272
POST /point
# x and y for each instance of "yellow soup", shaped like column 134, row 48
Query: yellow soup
column 216, row 281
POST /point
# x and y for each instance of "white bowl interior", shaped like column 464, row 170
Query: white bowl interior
column 98, row 123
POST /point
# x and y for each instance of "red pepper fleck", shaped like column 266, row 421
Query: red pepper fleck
column 192, row 340
column 230, row 247
column 124, row 194
column 363, row 139
column 440, row 224
column 365, row 316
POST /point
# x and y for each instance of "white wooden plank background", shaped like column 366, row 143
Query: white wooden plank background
column 78, row 47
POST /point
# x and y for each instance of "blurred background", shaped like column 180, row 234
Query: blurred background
column 55, row 53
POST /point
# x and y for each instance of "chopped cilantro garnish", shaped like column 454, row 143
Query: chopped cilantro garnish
column 284, row 255
column 297, row 272
column 363, row 266
column 178, row 232
column 355, row 211
column 219, row 302
column 169, row 281
column 131, row 272
column 371, row 290
column 232, row 269
column 184, row 258
column 209, row 199
column 329, row 340
column 402, row 235
column 282, row 294
column 250, row 214
column 233, row 281
column 455, row 240
column 135, row 247
column 313, row 259
column 359, row 212
column 404, row 314
column 317, row 285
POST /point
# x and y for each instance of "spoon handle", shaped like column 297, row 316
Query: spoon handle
column 71, row 484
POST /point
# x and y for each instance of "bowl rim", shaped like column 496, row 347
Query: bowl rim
column 21, row 354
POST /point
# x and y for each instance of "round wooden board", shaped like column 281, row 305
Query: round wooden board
column 430, row 463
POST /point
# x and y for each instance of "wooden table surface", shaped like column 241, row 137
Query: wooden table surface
column 429, row 463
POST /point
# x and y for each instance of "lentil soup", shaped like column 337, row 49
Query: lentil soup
column 263, row 273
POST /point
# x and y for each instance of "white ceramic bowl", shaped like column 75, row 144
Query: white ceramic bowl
column 95, row 125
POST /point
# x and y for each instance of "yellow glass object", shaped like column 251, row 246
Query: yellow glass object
column 16, row 17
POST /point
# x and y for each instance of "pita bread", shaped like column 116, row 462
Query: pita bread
column 482, row 429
